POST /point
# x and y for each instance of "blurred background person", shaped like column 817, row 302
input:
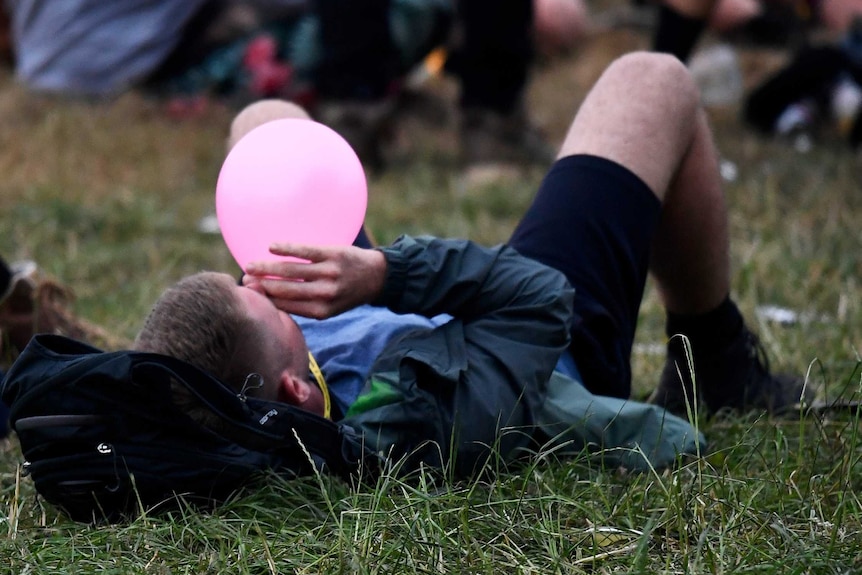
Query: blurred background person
column 776, row 23
column 680, row 25
column 346, row 61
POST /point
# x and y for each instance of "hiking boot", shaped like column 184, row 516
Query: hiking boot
column 365, row 125
column 491, row 138
column 737, row 378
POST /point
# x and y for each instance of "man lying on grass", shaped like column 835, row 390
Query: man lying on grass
column 447, row 343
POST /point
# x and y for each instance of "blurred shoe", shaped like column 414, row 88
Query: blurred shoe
column 735, row 378
column 20, row 271
column 16, row 306
column 488, row 137
column 38, row 304
column 366, row 126
column 426, row 106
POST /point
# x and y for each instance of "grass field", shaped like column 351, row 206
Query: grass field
column 108, row 197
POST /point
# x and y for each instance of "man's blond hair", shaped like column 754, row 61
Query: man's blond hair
column 259, row 113
column 201, row 320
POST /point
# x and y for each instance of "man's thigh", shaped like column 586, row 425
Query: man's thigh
column 593, row 220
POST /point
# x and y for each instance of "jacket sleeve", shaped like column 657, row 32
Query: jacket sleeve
column 459, row 385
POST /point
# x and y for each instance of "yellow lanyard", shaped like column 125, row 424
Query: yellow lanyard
column 321, row 383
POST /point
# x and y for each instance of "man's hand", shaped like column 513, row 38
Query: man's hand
column 335, row 279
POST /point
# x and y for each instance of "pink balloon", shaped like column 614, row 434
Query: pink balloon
column 291, row 180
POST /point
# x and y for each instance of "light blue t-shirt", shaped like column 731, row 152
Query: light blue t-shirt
column 346, row 346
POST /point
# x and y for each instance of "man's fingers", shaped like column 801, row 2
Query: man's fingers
column 304, row 269
column 281, row 269
column 291, row 289
column 310, row 253
column 330, row 280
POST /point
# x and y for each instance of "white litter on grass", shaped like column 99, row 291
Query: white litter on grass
column 773, row 313
column 787, row 316
column 729, row 171
column 803, row 143
column 209, row 225
column 718, row 74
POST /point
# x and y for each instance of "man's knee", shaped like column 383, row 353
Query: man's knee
column 659, row 78
column 640, row 64
column 643, row 114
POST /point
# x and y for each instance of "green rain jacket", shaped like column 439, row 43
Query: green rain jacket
column 483, row 385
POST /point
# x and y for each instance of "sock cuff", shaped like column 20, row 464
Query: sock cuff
column 716, row 326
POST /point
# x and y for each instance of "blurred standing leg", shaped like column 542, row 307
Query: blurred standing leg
column 359, row 61
column 357, row 73
column 492, row 62
column 681, row 24
column 496, row 51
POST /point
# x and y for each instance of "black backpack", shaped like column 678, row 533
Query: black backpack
column 102, row 439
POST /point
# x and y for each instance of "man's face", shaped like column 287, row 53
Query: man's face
column 284, row 347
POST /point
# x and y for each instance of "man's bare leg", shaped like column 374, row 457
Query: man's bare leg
column 661, row 135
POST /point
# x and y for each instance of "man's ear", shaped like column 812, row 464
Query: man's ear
column 292, row 390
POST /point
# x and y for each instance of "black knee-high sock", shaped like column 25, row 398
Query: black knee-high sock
column 710, row 331
column 677, row 34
